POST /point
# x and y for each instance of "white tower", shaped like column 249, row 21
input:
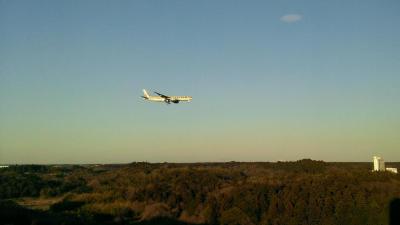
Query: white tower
column 379, row 164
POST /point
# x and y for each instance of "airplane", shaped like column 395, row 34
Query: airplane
column 165, row 98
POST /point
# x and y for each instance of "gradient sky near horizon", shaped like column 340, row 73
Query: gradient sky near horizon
column 270, row 80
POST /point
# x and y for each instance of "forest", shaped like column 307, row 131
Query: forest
column 233, row 193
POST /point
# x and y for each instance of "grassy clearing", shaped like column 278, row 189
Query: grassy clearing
column 38, row 203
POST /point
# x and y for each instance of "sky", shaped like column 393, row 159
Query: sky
column 270, row 81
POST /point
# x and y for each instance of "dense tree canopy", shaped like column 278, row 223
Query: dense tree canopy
column 302, row 192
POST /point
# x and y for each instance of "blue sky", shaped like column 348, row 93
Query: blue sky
column 271, row 80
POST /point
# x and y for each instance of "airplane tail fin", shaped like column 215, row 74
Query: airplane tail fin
column 145, row 93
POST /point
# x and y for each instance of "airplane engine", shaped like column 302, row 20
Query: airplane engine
column 175, row 101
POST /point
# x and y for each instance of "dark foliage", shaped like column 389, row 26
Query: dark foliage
column 19, row 184
column 13, row 214
column 301, row 192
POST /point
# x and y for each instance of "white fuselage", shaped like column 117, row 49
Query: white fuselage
column 165, row 98
column 171, row 98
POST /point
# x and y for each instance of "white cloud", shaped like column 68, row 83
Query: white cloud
column 291, row 18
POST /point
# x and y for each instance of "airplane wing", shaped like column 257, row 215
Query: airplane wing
column 164, row 96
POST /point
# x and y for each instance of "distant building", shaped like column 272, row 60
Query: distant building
column 3, row 166
column 379, row 164
column 393, row 170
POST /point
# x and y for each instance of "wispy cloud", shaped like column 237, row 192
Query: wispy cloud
column 291, row 18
